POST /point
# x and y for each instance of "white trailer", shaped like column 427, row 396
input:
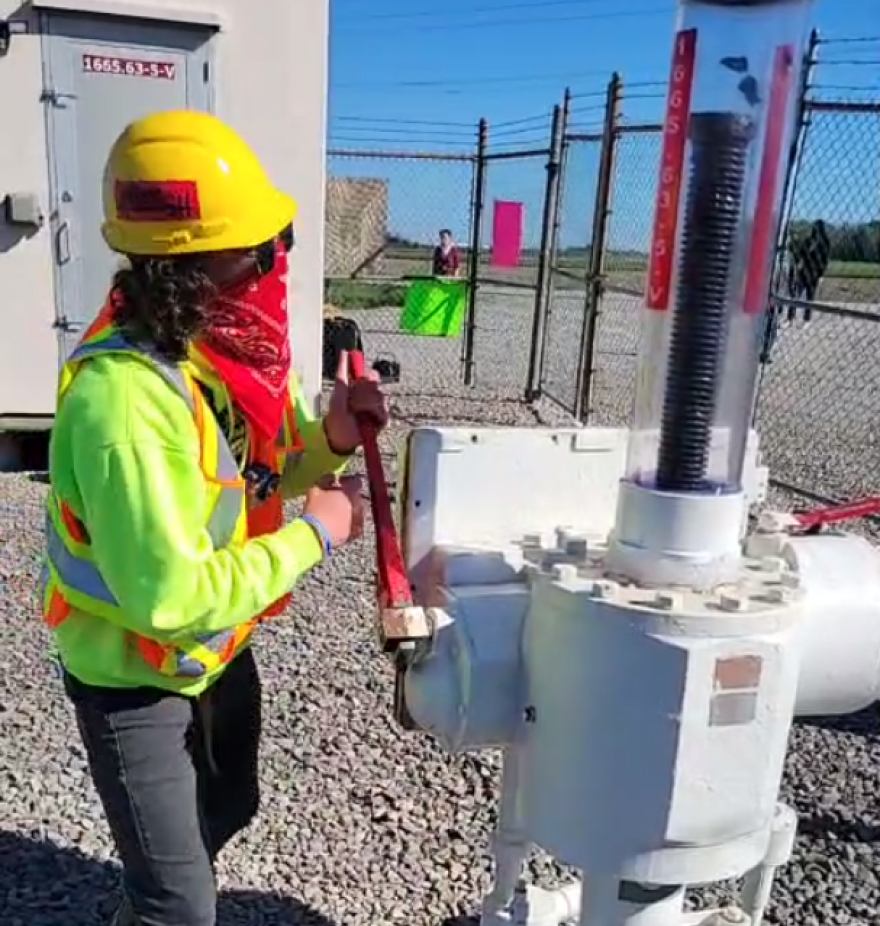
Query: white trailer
column 73, row 73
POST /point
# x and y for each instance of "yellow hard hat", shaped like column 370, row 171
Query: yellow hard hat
column 185, row 183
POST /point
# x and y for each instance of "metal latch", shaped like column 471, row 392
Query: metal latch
column 57, row 98
column 67, row 325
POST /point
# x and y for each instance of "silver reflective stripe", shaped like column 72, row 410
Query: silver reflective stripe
column 187, row 667
column 112, row 344
column 216, row 642
column 224, row 518
column 117, row 344
column 78, row 574
column 43, row 580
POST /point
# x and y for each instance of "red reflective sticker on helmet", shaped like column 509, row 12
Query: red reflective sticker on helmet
column 157, row 201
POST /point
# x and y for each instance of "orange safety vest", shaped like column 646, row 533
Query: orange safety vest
column 71, row 579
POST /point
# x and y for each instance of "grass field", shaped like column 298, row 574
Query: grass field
column 844, row 282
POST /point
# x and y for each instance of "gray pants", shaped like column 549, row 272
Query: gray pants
column 177, row 778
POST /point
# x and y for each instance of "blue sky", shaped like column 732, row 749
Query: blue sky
column 417, row 76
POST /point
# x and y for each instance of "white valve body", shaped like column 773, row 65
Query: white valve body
column 657, row 723
column 651, row 726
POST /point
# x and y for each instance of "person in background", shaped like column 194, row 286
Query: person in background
column 179, row 432
column 447, row 262
column 811, row 258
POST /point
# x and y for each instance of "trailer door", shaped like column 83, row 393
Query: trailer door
column 101, row 73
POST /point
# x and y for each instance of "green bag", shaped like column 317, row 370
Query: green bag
column 434, row 308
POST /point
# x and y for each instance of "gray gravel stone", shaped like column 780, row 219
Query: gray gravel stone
column 361, row 823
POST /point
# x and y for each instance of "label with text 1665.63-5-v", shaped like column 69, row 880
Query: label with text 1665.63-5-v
column 129, row 67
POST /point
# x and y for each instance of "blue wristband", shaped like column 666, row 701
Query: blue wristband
column 323, row 535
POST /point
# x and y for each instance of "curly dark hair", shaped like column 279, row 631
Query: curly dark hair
column 162, row 303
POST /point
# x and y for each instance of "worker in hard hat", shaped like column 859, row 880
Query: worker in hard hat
column 180, row 429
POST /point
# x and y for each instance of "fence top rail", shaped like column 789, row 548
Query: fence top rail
column 825, row 308
column 362, row 154
column 584, row 136
column 639, row 128
column 843, row 106
column 524, row 154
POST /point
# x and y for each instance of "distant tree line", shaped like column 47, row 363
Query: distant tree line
column 851, row 243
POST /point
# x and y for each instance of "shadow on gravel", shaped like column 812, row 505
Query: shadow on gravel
column 864, row 723
column 44, row 885
column 843, row 830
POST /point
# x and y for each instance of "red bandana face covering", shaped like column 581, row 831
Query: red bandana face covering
column 248, row 344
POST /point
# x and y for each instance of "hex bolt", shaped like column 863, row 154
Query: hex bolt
column 604, row 590
column 669, row 601
column 577, row 547
column 564, row 572
column 778, row 596
column 733, row 601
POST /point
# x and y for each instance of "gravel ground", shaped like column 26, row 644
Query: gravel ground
column 360, row 824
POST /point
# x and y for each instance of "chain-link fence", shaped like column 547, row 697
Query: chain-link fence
column 563, row 368
column 631, row 198
column 598, row 274
column 383, row 217
column 563, row 321
column 818, row 405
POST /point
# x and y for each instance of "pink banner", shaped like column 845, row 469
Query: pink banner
column 507, row 233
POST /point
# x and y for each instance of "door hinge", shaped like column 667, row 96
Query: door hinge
column 206, row 72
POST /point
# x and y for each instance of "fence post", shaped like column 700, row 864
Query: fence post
column 789, row 189
column 598, row 244
column 546, row 254
column 798, row 142
column 476, row 244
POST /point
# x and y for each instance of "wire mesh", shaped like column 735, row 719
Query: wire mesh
column 819, row 409
column 518, row 178
column 817, row 405
column 507, row 295
column 566, row 312
column 502, row 338
column 384, row 213
column 615, row 359
column 637, row 161
column 616, row 344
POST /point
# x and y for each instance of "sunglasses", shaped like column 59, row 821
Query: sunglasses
column 264, row 254
column 253, row 264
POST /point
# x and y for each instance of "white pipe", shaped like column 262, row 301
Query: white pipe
column 839, row 629
column 758, row 883
column 755, row 893
column 510, row 848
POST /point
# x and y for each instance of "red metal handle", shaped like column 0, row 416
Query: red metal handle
column 357, row 366
column 394, row 590
column 863, row 508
